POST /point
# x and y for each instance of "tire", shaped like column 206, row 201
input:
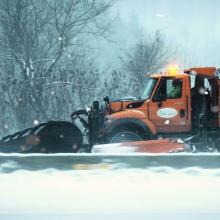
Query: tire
column 121, row 135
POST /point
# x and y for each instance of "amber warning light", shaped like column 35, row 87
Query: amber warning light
column 172, row 69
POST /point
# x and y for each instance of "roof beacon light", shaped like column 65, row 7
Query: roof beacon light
column 172, row 69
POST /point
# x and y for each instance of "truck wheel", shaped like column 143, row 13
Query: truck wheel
column 127, row 135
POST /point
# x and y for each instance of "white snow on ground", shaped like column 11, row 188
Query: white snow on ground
column 155, row 193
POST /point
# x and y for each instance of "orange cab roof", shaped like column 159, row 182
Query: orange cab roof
column 205, row 71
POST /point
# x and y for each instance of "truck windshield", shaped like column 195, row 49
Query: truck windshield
column 148, row 89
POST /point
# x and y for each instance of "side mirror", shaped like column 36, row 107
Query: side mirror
column 160, row 97
column 108, row 104
column 106, row 100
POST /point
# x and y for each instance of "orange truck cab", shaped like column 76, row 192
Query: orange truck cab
column 173, row 103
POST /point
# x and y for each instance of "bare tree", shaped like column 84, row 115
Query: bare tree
column 116, row 85
column 38, row 39
column 146, row 57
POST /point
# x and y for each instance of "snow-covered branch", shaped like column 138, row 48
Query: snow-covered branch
column 42, row 50
column 58, row 84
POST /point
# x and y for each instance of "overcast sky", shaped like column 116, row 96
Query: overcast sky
column 192, row 25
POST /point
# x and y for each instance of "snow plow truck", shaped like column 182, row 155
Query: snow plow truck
column 177, row 111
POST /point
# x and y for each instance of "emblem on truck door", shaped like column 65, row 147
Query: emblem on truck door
column 167, row 112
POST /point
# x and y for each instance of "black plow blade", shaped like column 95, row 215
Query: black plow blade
column 50, row 137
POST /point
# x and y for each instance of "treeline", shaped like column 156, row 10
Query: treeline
column 47, row 68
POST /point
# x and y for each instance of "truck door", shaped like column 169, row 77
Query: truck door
column 168, row 109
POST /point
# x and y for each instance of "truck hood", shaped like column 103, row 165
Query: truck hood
column 128, row 114
column 121, row 105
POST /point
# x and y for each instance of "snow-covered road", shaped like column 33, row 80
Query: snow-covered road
column 106, row 190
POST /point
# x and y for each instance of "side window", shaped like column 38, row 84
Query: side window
column 192, row 81
column 207, row 85
column 169, row 88
column 174, row 88
column 160, row 94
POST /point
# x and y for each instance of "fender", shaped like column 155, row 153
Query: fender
column 144, row 124
column 131, row 116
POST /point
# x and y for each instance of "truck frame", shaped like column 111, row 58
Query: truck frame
column 192, row 115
